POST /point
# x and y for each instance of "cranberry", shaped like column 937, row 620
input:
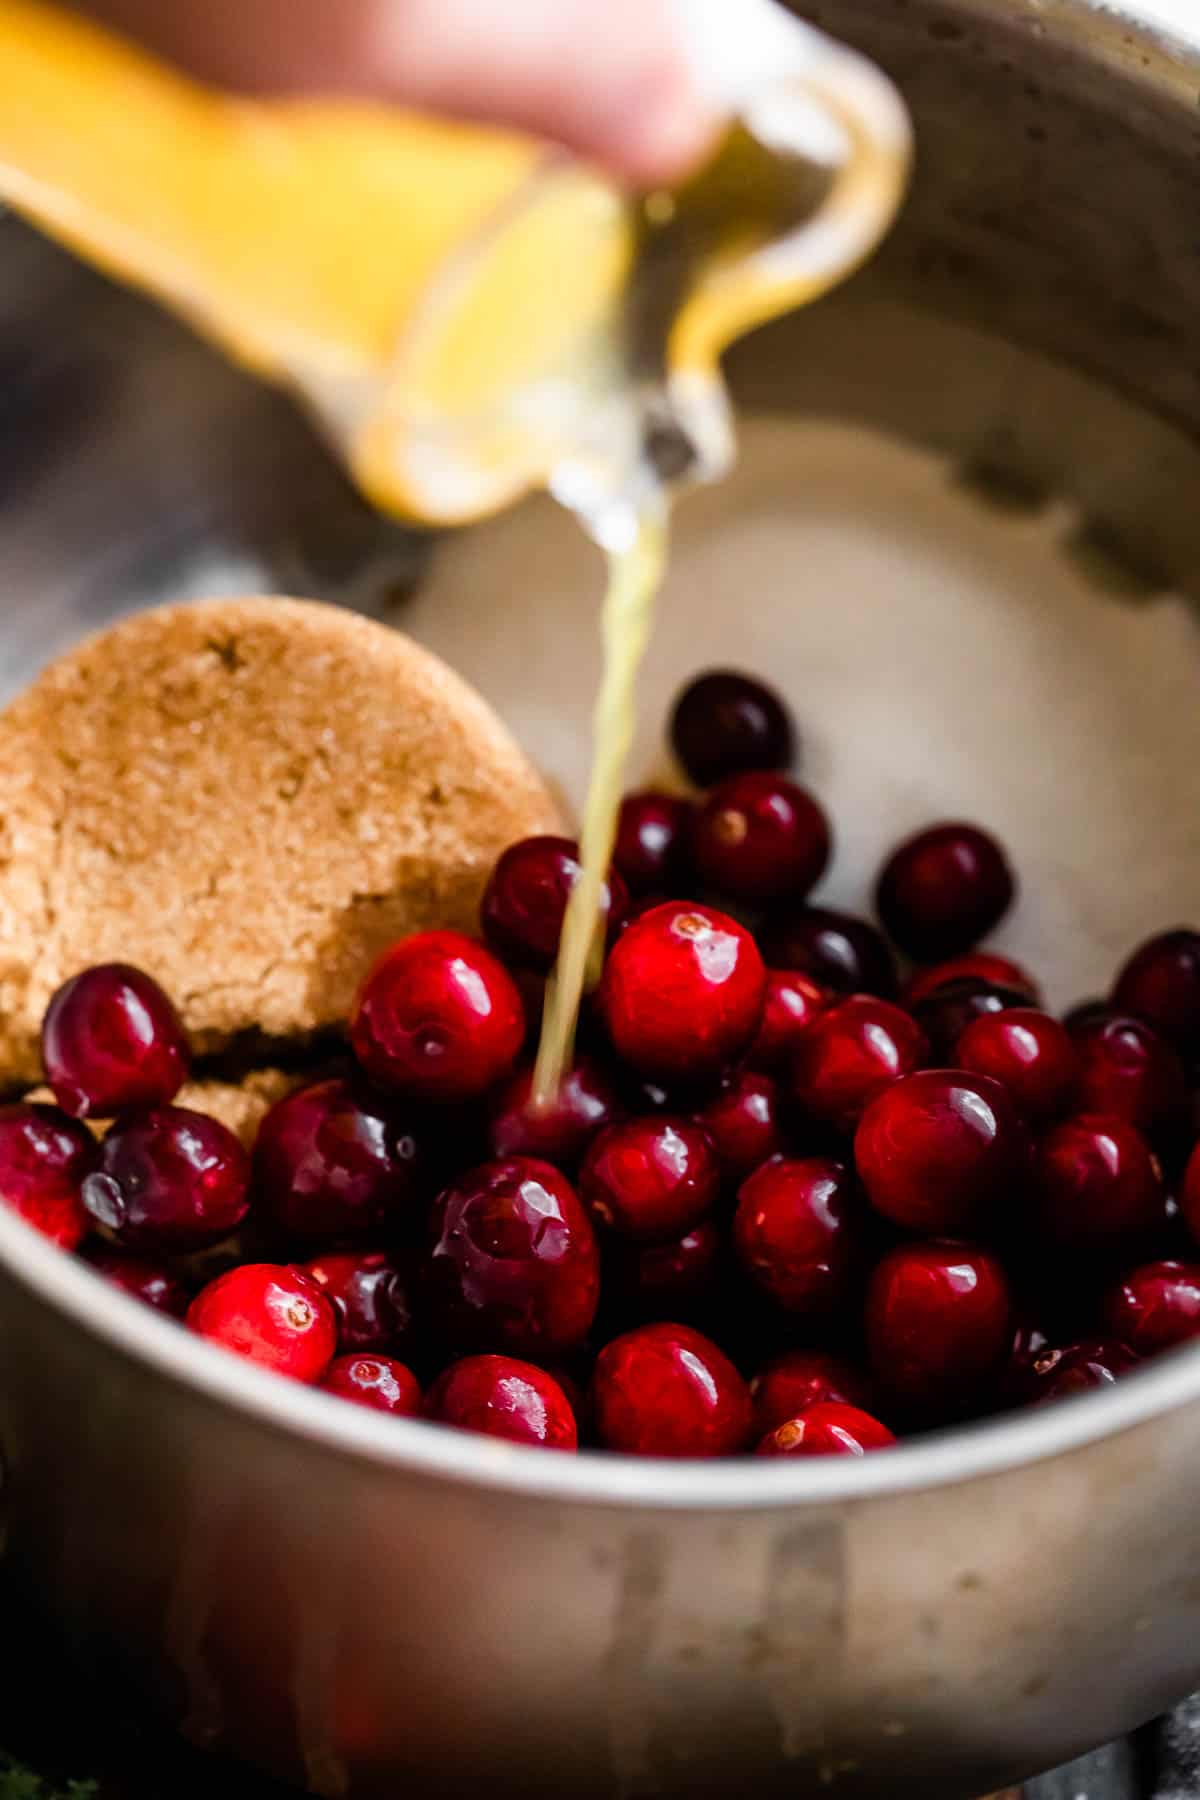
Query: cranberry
column 651, row 852
column 1161, row 984
column 170, row 1180
column 1016, row 1383
column 153, row 1283
column 682, row 992
column 976, row 965
column 850, row 1054
column 1087, row 1013
column 438, row 1018
column 1189, row 1195
column 379, row 1382
column 338, row 1161
column 561, row 1131
column 513, row 1259
column 792, row 1002
column 939, row 1328
column 1077, row 1368
column 836, row 949
column 664, row 1390
column 761, row 837
column 675, row 1278
column 1128, row 1070
column 1155, row 1306
column 650, row 1179
column 742, row 1123
column 941, row 1151
column 942, row 890
column 525, row 900
column 945, row 1014
column 1097, row 1184
column 271, row 1314
column 826, row 1428
column 44, row 1157
column 725, row 723
column 504, row 1398
column 797, row 1232
column 371, row 1294
column 1030, row 1054
column 110, row 1040
column 800, row 1379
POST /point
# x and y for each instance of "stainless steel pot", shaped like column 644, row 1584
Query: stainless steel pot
column 369, row 1604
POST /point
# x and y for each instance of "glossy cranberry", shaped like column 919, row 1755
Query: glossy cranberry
column 1161, row 984
column 939, row 1321
column 976, row 965
column 761, row 837
column 672, row 1279
column 742, row 1123
column 1078, row 1368
column 798, row 1233
column 650, row 1179
column 340, row 1161
column 842, row 952
column 513, row 1259
column 792, row 1002
column 44, row 1157
column 438, row 1018
column 1128, row 1070
column 110, row 1040
column 371, row 1293
column 664, row 1390
column 653, row 847
column 169, row 1179
column 942, row 890
column 1096, row 1184
column 504, row 1398
column 942, row 1152
column 725, row 723
column 1155, row 1306
column 945, row 1014
column 802, row 1378
column 682, row 992
column 379, row 1382
column 826, row 1428
column 526, row 897
column 153, row 1283
column 1189, row 1195
column 561, row 1131
column 1030, row 1054
column 850, row 1054
column 271, row 1314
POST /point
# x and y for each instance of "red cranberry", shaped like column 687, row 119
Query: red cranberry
column 850, row 1054
column 939, row 1328
column 271, row 1314
column 843, row 953
column 513, row 1259
column 338, row 1161
column 525, row 900
column 942, row 890
column 1155, row 1306
column 561, row 1131
column 797, row 1233
column 379, row 1382
column 169, row 1180
column 153, row 1283
column 44, row 1157
column 682, row 992
column 976, row 965
column 504, row 1398
column 1128, row 1070
column 725, row 723
column 111, row 1040
column 1030, row 1054
column 652, row 851
column 945, row 1014
column 827, row 1428
column 438, row 1018
column 800, row 1379
column 1161, row 984
column 650, row 1179
column 674, row 1278
column 371, row 1293
column 1077, row 1368
column 761, row 837
column 742, row 1123
column 664, row 1390
column 1097, row 1185
column 1189, row 1195
column 941, row 1151
column 792, row 1002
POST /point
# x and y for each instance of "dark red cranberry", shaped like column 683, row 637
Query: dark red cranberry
column 725, row 723
column 561, row 1131
column 1088, row 1013
column 170, row 1180
column 939, row 1321
column 798, row 1233
column 802, row 1378
column 371, row 1293
column 676, row 1278
column 650, row 1179
column 153, row 1283
column 504, row 1398
column 340, row 1161
column 1161, row 984
column 976, row 965
column 842, row 952
column 526, row 897
column 850, row 1054
column 513, row 1260
column 1189, row 1195
column 664, row 1390
column 438, row 1018
column 682, row 992
column 1096, row 1184
column 1155, row 1306
column 941, row 1152
column 1015, row 1384
column 827, row 1428
column 1030, row 1054
column 761, row 837
column 942, row 890
column 1078, row 1368
column 379, row 1382
column 652, row 849
column 742, row 1123
column 792, row 1002
column 111, row 1040
column 271, row 1314
column 946, row 1013
column 44, row 1157
column 1127, row 1069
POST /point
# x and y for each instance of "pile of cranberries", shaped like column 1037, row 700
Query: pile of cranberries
column 786, row 1200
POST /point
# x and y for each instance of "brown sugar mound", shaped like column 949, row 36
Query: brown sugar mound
column 250, row 799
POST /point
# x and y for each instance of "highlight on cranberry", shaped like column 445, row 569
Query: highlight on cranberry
column 807, row 1187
